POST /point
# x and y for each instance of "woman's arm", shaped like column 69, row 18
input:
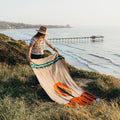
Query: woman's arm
column 51, row 46
column 62, row 60
column 29, row 52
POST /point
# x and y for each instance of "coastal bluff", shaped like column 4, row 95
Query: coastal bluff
column 21, row 99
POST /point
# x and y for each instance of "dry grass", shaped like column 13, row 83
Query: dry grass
column 21, row 99
column 16, row 109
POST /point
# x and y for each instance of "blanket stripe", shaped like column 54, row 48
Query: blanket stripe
column 47, row 64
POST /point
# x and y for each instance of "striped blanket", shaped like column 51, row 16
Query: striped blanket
column 57, row 82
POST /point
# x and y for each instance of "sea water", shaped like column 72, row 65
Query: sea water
column 102, row 57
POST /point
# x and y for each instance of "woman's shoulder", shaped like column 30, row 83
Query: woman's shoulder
column 33, row 39
column 45, row 39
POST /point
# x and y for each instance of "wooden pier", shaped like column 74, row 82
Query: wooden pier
column 74, row 39
column 77, row 39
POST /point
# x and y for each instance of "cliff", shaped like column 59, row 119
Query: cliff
column 21, row 99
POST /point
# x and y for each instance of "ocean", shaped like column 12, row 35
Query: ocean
column 102, row 57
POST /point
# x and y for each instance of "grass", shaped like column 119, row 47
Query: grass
column 21, row 99
column 104, row 86
column 12, row 51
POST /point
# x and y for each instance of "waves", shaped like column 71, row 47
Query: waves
column 91, row 65
column 117, row 55
column 107, row 59
column 76, row 60
column 89, row 60
column 75, row 48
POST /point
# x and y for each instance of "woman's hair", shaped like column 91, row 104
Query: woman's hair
column 38, row 35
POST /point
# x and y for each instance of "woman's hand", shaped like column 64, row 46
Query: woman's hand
column 29, row 59
column 56, row 51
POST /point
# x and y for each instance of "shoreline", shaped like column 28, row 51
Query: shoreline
column 3, row 29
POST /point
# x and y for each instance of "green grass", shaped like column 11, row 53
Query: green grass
column 12, row 51
column 104, row 86
column 21, row 99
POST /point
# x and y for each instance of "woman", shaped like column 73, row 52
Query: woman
column 36, row 47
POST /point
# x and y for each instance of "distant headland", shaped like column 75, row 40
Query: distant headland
column 12, row 25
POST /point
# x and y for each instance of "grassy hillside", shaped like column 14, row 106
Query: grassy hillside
column 12, row 51
column 21, row 99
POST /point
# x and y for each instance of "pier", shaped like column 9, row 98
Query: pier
column 77, row 39
column 74, row 39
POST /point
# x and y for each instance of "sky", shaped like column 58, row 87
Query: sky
column 62, row 12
